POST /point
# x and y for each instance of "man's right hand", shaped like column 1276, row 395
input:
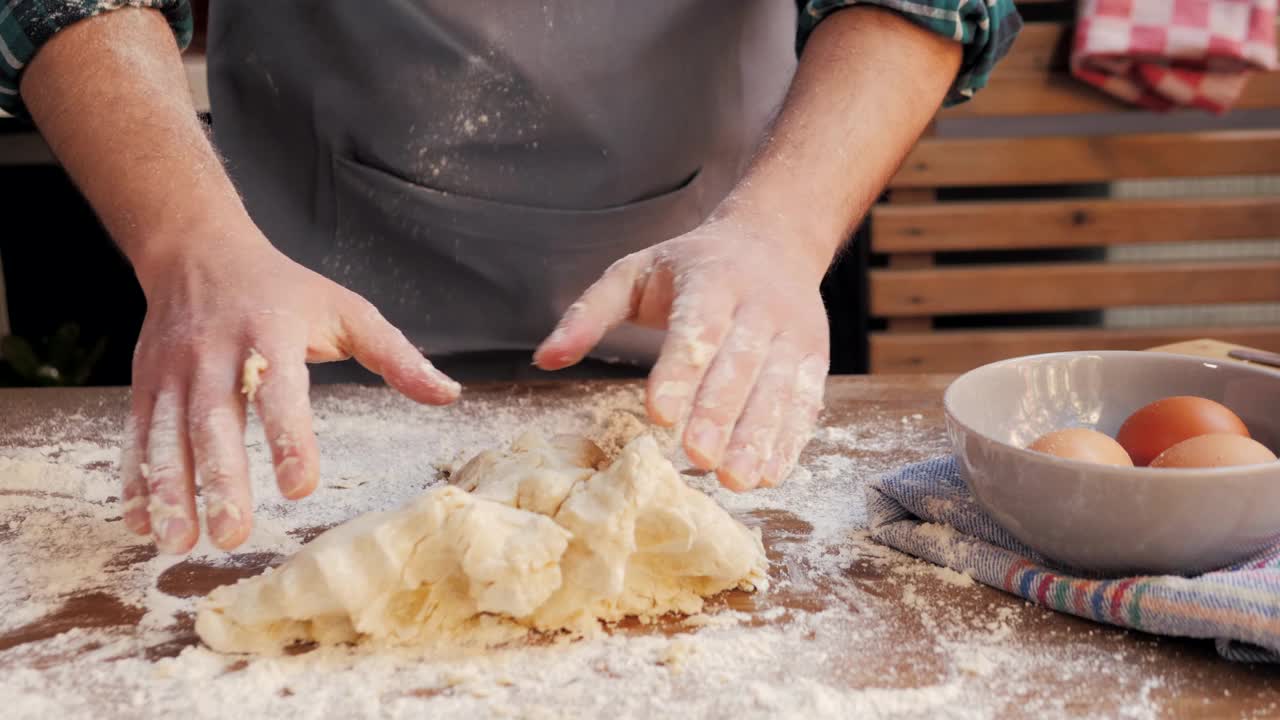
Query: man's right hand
column 110, row 96
column 208, row 311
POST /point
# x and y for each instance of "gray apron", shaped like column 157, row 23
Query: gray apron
column 470, row 167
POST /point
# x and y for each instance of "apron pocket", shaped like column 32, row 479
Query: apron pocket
column 460, row 273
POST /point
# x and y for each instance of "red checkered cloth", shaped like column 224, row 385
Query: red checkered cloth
column 1165, row 54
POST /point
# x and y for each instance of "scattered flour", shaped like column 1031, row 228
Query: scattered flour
column 826, row 641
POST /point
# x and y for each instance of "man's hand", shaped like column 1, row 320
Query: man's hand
column 111, row 98
column 205, row 316
column 746, row 350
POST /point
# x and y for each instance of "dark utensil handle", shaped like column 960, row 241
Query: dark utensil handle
column 1261, row 357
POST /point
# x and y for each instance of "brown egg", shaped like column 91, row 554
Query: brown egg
column 1084, row 445
column 1165, row 423
column 1217, row 450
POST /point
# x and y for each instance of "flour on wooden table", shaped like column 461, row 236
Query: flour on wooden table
column 784, row 657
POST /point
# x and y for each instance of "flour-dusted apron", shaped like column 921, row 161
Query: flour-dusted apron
column 470, row 167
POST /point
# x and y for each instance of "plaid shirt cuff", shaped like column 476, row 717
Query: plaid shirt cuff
column 986, row 28
column 26, row 25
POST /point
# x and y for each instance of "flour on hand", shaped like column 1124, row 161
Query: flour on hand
column 547, row 536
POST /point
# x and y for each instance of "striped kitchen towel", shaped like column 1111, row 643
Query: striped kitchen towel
column 1164, row 54
column 926, row 510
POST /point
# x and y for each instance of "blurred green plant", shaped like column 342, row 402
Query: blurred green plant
column 60, row 360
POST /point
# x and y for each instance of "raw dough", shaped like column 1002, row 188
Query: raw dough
column 251, row 374
column 546, row 536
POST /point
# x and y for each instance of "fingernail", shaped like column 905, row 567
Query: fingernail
column 705, row 439
column 772, row 471
column 779, row 469
column 137, row 524
column 439, row 378
column 668, row 408
column 556, row 335
column 740, row 469
column 224, row 521
column 174, row 534
column 669, row 400
column 547, row 360
column 293, row 483
column 134, row 511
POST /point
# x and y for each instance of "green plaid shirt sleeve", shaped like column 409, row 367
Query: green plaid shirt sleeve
column 987, row 29
column 26, row 25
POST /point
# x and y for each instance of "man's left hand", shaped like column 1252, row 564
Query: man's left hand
column 746, row 352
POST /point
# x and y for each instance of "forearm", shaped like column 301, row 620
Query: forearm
column 111, row 98
column 867, row 86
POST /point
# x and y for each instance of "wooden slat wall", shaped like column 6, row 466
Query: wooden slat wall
column 1034, row 80
column 1088, row 159
column 1061, row 94
column 952, row 351
column 961, row 226
column 911, row 261
column 1070, row 286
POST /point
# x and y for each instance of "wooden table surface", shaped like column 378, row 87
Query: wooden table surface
column 1175, row 678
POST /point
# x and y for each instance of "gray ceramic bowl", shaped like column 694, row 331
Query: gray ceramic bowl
column 1106, row 519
